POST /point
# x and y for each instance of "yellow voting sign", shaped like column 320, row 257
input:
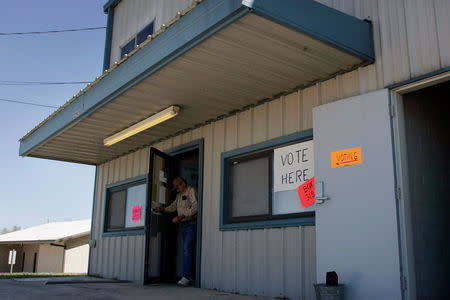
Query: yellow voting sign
column 346, row 157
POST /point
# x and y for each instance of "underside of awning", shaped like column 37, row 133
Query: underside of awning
column 217, row 59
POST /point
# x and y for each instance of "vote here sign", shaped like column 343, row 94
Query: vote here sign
column 293, row 165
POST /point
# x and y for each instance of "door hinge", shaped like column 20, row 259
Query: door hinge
column 398, row 194
column 392, row 110
column 404, row 282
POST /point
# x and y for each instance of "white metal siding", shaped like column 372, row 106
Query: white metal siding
column 76, row 255
column 273, row 262
column 411, row 38
column 130, row 16
column 119, row 257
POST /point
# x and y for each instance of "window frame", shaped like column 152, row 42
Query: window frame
column 135, row 37
column 116, row 187
column 227, row 222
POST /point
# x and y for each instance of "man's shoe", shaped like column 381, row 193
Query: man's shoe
column 184, row 281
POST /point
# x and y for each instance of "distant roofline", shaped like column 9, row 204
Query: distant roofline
column 46, row 241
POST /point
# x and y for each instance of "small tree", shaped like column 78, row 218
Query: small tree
column 14, row 228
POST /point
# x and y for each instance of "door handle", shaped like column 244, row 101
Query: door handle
column 320, row 198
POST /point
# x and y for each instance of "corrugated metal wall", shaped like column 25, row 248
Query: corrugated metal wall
column 119, row 257
column 411, row 38
column 273, row 262
column 130, row 16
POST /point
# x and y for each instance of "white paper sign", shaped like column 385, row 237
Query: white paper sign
column 162, row 176
column 162, row 194
column 292, row 166
column 12, row 257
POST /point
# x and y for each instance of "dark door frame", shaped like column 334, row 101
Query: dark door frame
column 194, row 145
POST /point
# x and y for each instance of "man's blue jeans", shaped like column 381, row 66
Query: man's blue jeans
column 188, row 234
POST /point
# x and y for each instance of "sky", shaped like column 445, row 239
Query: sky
column 34, row 191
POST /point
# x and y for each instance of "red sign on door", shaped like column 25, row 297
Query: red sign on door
column 306, row 192
column 136, row 213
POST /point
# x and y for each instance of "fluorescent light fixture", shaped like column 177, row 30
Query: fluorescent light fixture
column 160, row 117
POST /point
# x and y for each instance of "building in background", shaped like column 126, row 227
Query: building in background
column 251, row 101
column 59, row 247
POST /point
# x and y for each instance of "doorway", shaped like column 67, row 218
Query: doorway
column 164, row 252
column 424, row 183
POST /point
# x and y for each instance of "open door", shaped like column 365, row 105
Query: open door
column 356, row 225
column 158, row 255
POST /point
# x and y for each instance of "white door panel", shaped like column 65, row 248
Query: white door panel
column 357, row 227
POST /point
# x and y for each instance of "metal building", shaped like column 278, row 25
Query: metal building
column 58, row 247
column 266, row 96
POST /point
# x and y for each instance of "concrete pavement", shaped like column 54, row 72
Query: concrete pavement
column 94, row 288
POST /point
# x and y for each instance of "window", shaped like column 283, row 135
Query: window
column 137, row 39
column 125, row 206
column 249, row 186
column 260, row 183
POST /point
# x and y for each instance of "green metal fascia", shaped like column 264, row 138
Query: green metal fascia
column 342, row 31
column 199, row 24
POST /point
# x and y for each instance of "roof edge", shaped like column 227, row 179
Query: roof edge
column 110, row 4
column 344, row 32
column 212, row 16
column 74, row 236
column 27, row 242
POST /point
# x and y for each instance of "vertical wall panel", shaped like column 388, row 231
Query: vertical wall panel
column 328, row 91
column 422, row 36
column 230, row 242
column 186, row 137
column 309, row 100
column 218, row 247
column 292, row 113
column 245, row 128
column 372, row 75
column 275, row 118
column 350, row 84
column 394, row 41
column 257, row 262
column 208, row 232
column 442, row 12
column 274, row 262
column 228, row 268
column 309, row 260
column 177, row 141
column 259, row 121
column 231, row 136
column 292, row 261
column 242, row 261
column 197, row 134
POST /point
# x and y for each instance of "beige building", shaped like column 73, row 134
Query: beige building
column 60, row 247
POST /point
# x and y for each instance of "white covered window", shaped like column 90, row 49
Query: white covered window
column 125, row 207
column 264, row 184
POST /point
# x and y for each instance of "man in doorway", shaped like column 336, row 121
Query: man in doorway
column 185, row 204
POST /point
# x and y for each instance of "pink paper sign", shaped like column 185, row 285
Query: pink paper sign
column 306, row 192
column 136, row 213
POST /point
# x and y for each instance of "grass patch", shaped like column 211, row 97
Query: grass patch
column 37, row 275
